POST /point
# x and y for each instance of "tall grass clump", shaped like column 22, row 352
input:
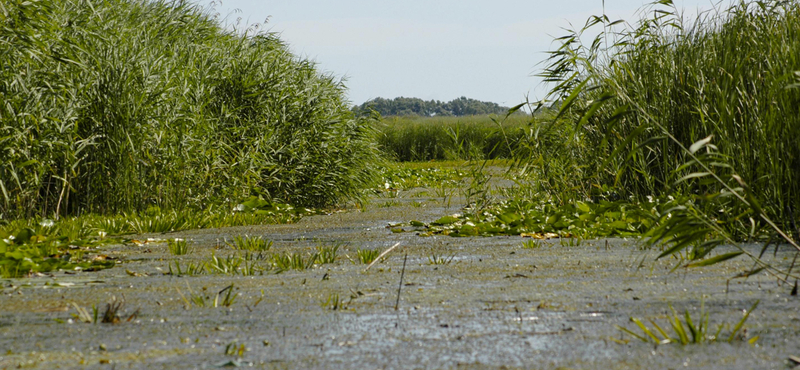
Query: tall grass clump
column 414, row 138
column 634, row 101
column 112, row 107
column 705, row 110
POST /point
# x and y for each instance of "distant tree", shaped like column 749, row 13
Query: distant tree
column 403, row 106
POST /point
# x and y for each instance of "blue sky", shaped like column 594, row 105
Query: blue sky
column 434, row 49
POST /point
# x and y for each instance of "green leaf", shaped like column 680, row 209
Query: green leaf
column 509, row 217
column 446, row 220
column 741, row 322
column 715, row 260
column 644, row 329
column 700, row 144
column 692, row 176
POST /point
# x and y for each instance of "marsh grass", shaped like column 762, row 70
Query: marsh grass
column 294, row 261
column 250, row 244
column 226, row 266
column 235, row 349
column 178, row 247
column 83, row 314
column 327, row 253
column 640, row 95
column 703, row 109
column 223, row 298
column 449, row 138
column 532, row 244
column 367, row 256
column 687, row 330
column 333, row 302
column 438, row 259
column 117, row 107
column 228, row 297
column 191, row 269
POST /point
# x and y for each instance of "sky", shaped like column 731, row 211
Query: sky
column 430, row 49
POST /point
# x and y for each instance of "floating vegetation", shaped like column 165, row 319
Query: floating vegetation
column 25, row 251
column 402, row 177
column 544, row 220
column 30, row 246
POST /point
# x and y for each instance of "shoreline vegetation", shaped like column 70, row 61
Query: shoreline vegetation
column 140, row 116
column 111, row 108
column 681, row 132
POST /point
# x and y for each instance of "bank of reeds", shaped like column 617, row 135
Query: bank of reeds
column 705, row 110
column 635, row 100
column 412, row 138
column 112, row 107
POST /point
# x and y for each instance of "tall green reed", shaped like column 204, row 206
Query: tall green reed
column 447, row 138
column 704, row 108
column 111, row 107
column 724, row 74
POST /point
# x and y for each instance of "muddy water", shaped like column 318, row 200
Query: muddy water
column 494, row 305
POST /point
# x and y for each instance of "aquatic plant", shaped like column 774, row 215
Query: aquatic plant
column 687, row 330
column 178, row 247
column 367, row 256
column 25, row 250
column 333, row 302
column 250, row 244
column 227, row 266
column 293, row 261
column 531, row 244
column 191, row 269
column 438, row 259
column 327, row 253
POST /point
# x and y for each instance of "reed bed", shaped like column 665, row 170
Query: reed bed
column 111, row 107
column 413, row 138
column 635, row 100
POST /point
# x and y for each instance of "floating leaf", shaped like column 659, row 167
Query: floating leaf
column 446, row 220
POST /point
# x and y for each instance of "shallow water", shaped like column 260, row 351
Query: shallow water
column 495, row 305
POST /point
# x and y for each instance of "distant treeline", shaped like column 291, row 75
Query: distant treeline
column 417, row 107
